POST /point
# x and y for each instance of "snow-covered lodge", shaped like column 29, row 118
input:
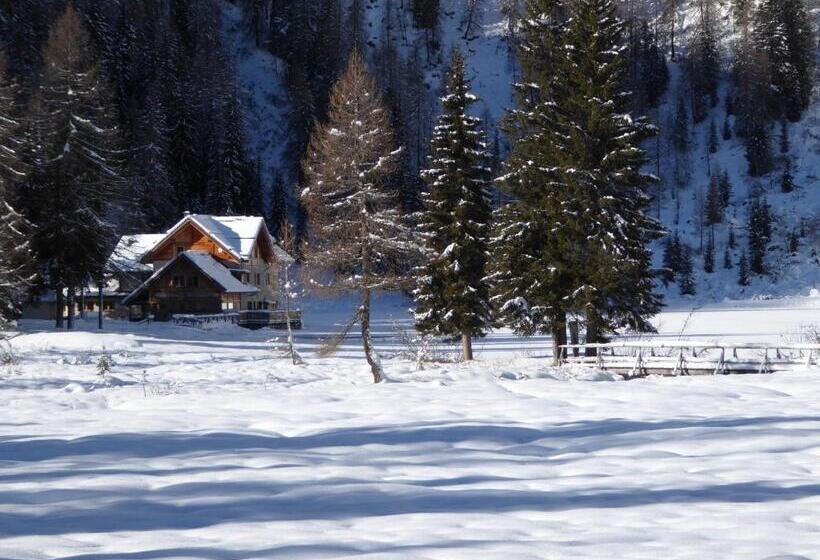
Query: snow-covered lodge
column 204, row 265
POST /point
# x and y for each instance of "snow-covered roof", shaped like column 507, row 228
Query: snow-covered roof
column 131, row 248
column 236, row 234
column 218, row 273
column 209, row 266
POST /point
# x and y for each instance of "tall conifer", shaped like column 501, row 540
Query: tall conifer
column 452, row 297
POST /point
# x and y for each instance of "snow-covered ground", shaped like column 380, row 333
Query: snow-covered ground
column 204, row 445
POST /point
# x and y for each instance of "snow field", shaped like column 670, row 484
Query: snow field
column 208, row 447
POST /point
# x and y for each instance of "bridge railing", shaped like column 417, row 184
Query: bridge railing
column 640, row 358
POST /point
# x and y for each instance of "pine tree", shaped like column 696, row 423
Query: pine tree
column 356, row 230
column 784, row 34
column 425, row 13
column 784, row 138
column 793, row 242
column 709, row 254
column 725, row 190
column 760, row 233
column 787, row 180
column 732, row 241
column 278, row 204
column 751, row 76
column 743, row 270
column 452, row 297
column 602, row 164
column 714, row 202
column 727, row 129
column 680, row 126
column 686, row 282
column 712, row 139
column 727, row 259
column 671, row 258
column 704, row 62
column 16, row 263
column 11, row 165
column 534, row 272
column 74, row 194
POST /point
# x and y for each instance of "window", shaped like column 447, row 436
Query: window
column 179, row 249
column 193, row 281
column 267, row 280
column 178, row 282
column 227, row 306
column 258, row 279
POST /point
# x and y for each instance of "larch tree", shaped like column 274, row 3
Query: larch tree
column 452, row 297
column 356, row 230
column 75, row 189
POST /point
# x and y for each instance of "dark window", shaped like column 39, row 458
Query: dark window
column 258, row 279
column 178, row 282
column 193, row 281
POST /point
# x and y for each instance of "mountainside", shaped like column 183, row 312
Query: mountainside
column 482, row 30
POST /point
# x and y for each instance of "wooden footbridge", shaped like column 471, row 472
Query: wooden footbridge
column 642, row 358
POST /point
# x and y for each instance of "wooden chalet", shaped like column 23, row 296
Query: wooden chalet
column 204, row 265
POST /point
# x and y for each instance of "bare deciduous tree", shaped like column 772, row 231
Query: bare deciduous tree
column 357, row 235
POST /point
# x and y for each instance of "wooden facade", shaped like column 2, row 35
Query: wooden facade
column 182, row 286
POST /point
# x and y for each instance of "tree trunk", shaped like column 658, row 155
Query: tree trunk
column 369, row 352
column 101, row 298
column 70, row 301
column 293, row 356
column 593, row 333
column 467, row 346
column 573, row 336
column 559, row 338
column 60, row 304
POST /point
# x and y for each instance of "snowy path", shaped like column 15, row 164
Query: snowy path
column 225, row 453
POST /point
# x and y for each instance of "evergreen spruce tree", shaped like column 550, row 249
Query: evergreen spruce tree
column 732, row 242
column 601, row 164
column 793, row 242
column 725, row 189
column 671, row 258
column 356, row 231
column 452, row 297
column 751, row 76
column 784, row 34
column 712, row 138
column 787, row 180
column 534, row 272
column 784, row 138
column 686, row 282
column 709, row 254
column 74, row 195
column 278, row 204
column 760, row 233
column 714, row 202
column 11, row 164
column 727, row 259
column 16, row 263
column 727, row 129
column 743, row 271
column 704, row 61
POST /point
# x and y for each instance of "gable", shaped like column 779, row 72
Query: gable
column 188, row 236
